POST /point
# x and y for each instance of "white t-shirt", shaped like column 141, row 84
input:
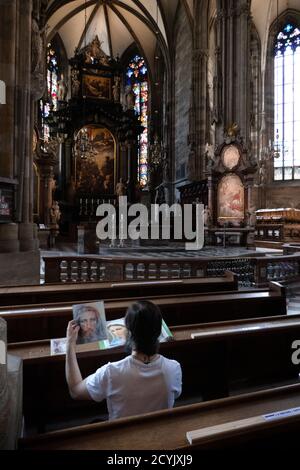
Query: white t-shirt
column 132, row 387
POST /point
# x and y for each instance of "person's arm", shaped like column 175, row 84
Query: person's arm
column 178, row 381
column 77, row 387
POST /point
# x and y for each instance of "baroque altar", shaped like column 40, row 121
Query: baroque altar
column 229, row 215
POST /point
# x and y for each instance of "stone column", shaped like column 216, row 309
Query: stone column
column 123, row 167
column 16, row 127
column 8, row 23
column 45, row 164
column 7, row 74
column 233, row 37
column 200, row 59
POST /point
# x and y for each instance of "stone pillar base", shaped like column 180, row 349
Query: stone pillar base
column 28, row 237
column 9, row 241
column 18, row 269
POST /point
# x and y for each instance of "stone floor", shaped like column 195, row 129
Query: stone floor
column 161, row 252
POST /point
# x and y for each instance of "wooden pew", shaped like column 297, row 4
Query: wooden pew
column 167, row 430
column 50, row 321
column 225, row 357
column 113, row 290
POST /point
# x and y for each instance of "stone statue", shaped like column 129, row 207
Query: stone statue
column 37, row 46
column 129, row 97
column 55, row 213
column 62, row 89
column 116, row 90
column 75, row 82
column 38, row 68
column 191, row 163
column 207, row 217
column 251, row 217
column 94, row 53
column 209, row 154
column 121, row 188
column 50, row 148
column 262, row 174
column 137, row 192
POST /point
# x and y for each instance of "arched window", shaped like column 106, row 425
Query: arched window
column 287, row 103
column 49, row 103
column 137, row 77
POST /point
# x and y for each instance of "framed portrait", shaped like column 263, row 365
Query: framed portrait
column 231, row 198
column 96, row 87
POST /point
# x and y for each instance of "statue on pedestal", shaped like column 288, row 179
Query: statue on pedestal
column 129, row 98
column 121, row 188
column 251, row 217
column 75, row 82
column 62, row 89
column 116, row 90
column 55, row 214
column 207, row 219
column 209, row 156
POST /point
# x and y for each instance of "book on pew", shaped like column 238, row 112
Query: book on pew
column 117, row 334
column 58, row 346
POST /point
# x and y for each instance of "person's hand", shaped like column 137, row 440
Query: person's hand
column 72, row 332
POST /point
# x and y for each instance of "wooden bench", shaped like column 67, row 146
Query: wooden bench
column 167, row 430
column 50, row 321
column 224, row 358
column 113, row 290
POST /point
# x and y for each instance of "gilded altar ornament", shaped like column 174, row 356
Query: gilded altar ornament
column 232, row 130
column 94, row 53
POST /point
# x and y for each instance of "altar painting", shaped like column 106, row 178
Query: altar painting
column 230, row 198
column 95, row 161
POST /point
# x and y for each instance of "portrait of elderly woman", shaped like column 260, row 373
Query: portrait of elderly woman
column 91, row 319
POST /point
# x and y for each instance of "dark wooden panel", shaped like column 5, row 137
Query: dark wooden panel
column 92, row 291
column 166, row 430
column 51, row 322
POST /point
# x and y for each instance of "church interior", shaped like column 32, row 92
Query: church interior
column 168, row 117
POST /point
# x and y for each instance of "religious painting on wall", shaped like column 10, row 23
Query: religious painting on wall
column 230, row 198
column 230, row 156
column 95, row 161
column 94, row 86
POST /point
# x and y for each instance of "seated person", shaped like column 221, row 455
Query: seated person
column 144, row 381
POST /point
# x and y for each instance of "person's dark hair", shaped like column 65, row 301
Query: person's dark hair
column 143, row 321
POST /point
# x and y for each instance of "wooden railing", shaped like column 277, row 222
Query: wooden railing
column 251, row 271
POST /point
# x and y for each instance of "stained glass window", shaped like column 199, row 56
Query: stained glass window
column 49, row 103
column 137, row 77
column 287, row 103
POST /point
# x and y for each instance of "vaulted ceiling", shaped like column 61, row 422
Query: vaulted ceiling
column 118, row 24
